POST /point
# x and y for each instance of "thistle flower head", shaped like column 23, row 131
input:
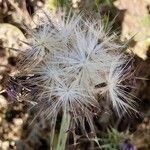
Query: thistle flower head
column 69, row 58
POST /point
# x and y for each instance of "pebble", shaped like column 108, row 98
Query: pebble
column 18, row 121
column 3, row 102
column 5, row 145
column 12, row 143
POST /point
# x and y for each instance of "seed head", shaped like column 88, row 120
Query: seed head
column 68, row 59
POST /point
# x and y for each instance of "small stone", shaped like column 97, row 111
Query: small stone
column 3, row 102
column 10, row 135
column 5, row 145
column 12, row 143
column 39, row 4
column 143, row 126
column 18, row 121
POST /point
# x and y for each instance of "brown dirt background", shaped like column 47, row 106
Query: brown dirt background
column 132, row 17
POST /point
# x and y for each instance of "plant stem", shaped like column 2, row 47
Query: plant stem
column 63, row 134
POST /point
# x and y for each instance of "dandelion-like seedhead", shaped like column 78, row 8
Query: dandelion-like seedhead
column 74, row 61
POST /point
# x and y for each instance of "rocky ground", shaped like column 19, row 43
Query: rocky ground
column 16, row 126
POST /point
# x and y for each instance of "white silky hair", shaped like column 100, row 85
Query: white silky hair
column 73, row 56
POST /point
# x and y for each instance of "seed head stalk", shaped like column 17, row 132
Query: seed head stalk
column 64, row 130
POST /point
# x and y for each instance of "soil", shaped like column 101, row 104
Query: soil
column 17, row 131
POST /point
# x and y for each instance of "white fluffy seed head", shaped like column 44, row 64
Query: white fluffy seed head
column 117, row 89
column 71, row 57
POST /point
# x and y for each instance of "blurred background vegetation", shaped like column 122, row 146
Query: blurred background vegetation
column 128, row 18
